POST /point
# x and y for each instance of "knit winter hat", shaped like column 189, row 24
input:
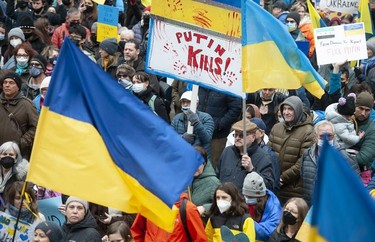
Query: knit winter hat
column 52, row 230
column 109, row 45
column 249, row 126
column 365, row 99
column 76, row 199
column 13, row 76
column 41, row 60
column 16, row 32
column 346, row 105
column 295, row 16
column 280, row 4
column 253, row 185
column 370, row 44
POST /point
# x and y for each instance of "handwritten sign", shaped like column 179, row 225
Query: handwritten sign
column 196, row 56
column 341, row 6
column 49, row 208
column 108, row 15
column 340, row 43
column 7, row 225
column 107, row 22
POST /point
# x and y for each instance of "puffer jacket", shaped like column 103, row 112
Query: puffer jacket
column 366, row 145
column 22, row 125
column 289, row 141
column 309, row 166
column 83, row 231
column 346, row 136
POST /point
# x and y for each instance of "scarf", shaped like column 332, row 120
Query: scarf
column 21, row 69
column 368, row 64
column 25, row 215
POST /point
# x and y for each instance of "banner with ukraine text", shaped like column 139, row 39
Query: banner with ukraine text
column 270, row 56
column 97, row 141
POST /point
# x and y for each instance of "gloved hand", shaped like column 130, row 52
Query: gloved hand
column 192, row 117
column 189, row 138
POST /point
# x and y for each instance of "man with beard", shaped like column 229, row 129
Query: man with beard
column 264, row 207
column 133, row 59
column 234, row 164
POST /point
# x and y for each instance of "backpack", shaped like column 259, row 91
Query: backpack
column 151, row 104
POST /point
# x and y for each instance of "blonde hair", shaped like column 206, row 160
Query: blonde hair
column 302, row 207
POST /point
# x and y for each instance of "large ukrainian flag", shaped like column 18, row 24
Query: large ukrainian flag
column 365, row 16
column 343, row 209
column 270, row 56
column 97, row 141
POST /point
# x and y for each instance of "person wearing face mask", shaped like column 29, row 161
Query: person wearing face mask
column 309, row 160
column 37, row 67
column 124, row 76
column 229, row 209
column 77, row 34
column 92, row 44
column 294, row 212
column 292, row 23
column 50, row 53
column 15, row 38
column 142, row 89
column 264, row 206
column 23, row 54
column 73, row 18
column 12, row 166
column 202, row 122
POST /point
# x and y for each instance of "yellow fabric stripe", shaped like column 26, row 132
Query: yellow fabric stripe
column 315, row 237
column 70, row 156
column 210, row 17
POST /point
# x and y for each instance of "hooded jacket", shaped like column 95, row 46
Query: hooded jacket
column 83, row 231
column 289, row 141
column 18, row 121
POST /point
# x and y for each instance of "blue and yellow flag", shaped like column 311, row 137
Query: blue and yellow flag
column 316, row 20
column 97, row 141
column 364, row 15
column 270, row 57
column 343, row 209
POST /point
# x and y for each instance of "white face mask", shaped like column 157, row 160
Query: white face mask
column 125, row 83
column 138, row 87
column 185, row 110
column 22, row 60
column 223, row 205
column 320, row 142
column 291, row 26
column 251, row 201
column 15, row 42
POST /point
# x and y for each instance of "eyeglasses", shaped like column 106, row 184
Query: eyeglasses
column 239, row 135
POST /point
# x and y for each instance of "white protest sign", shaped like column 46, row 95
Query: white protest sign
column 191, row 55
column 340, row 43
column 7, row 223
column 342, row 6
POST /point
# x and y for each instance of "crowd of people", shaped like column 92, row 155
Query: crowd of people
column 259, row 184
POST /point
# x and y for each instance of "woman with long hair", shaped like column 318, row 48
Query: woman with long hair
column 229, row 209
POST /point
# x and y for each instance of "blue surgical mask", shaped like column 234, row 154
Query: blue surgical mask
column 251, row 201
column 34, row 72
column 291, row 26
column 2, row 37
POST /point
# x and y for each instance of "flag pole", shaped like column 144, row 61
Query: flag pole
column 19, row 211
column 193, row 106
column 244, row 124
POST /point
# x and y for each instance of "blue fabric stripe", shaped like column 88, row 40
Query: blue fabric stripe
column 139, row 142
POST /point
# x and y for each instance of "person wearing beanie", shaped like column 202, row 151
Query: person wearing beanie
column 37, row 68
column 15, row 38
column 289, row 139
column 292, row 23
column 365, row 147
column 109, row 58
column 80, row 225
column 47, row 232
column 280, row 10
column 234, row 164
column 39, row 100
column 23, row 111
column 340, row 115
column 264, row 206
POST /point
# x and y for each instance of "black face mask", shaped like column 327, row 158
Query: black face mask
column 89, row 9
column 288, row 218
column 93, row 38
column 73, row 23
column 7, row 162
